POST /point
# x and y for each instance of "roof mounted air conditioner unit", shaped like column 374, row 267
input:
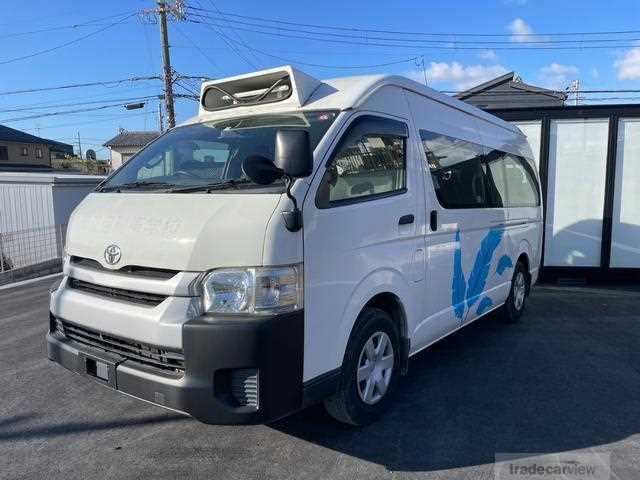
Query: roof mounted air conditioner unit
column 282, row 84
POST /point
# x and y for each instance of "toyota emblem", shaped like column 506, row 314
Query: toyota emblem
column 112, row 254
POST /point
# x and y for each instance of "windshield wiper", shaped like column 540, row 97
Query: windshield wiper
column 134, row 185
column 208, row 187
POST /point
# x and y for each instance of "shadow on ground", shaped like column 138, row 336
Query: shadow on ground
column 567, row 377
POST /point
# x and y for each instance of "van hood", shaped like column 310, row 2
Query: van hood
column 186, row 232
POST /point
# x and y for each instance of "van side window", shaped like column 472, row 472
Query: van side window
column 456, row 170
column 510, row 181
column 493, row 167
column 521, row 183
column 365, row 167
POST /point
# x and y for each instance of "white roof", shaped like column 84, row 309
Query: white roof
column 340, row 93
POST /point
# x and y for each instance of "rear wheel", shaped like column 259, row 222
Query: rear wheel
column 370, row 370
column 517, row 299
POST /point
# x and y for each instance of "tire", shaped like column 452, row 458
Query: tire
column 517, row 299
column 374, row 349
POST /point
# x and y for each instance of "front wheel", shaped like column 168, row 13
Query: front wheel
column 516, row 301
column 370, row 370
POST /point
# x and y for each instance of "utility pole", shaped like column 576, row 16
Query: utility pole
column 79, row 145
column 575, row 87
column 160, row 119
column 166, row 60
column 420, row 63
column 176, row 11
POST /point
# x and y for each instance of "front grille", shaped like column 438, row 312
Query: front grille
column 138, row 352
column 135, row 270
column 140, row 298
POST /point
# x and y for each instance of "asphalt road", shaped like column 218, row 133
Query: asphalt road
column 567, row 378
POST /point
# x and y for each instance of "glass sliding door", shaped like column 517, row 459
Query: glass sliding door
column 575, row 192
column 533, row 131
column 625, row 241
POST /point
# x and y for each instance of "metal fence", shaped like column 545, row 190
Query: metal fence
column 35, row 250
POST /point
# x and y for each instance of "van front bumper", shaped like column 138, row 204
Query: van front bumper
column 214, row 348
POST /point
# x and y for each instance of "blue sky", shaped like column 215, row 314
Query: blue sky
column 131, row 48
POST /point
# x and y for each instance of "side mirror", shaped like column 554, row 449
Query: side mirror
column 293, row 153
column 261, row 170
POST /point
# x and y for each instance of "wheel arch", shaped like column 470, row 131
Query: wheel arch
column 387, row 290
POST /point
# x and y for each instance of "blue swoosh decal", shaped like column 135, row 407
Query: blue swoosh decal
column 458, row 285
column 504, row 263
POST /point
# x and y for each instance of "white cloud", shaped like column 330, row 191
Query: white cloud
column 628, row 66
column 522, row 32
column 488, row 55
column 459, row 76
column 519, row 3
column 595, row 73
column 557, row 76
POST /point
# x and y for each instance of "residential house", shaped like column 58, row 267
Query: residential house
column 19, row 148
column 509, row 91
column 126, row 144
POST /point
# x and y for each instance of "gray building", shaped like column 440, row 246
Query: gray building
column 509, row 91
column 126, row 144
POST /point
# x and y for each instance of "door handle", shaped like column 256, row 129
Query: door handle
column 433, row 220
column 406, row 219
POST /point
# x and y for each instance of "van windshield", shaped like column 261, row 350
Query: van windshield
column 210, row 154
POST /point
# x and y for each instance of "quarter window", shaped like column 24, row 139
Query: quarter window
column 521, row 183
column 38, row 153
column 4, row 153
column 456, row 170
column 510, row 181
column 25, row 152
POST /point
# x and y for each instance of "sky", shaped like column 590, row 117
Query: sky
column 48, row 44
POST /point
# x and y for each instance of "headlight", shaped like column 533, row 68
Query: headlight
column 258, row 290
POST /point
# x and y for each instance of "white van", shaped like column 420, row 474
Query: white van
column 296, row 242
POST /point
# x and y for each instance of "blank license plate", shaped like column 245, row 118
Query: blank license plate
column 97, row 369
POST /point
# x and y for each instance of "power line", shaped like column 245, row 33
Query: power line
column 197, row 47
column 338, row 67
column 404, row 32
column 489, row 43
column 80, row 85
column 88, row 23
column 66, row 44
column 64, row 112
column 116, row 117
column 235, row 33
column 365, row 42
column 75, row 104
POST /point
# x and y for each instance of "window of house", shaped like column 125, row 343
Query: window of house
column 38, row 152
column 364, row 168
column 456, row 170
column 4, row 153
column 25, row 152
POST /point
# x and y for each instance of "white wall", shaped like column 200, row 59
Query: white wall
column 575, row 192
column 34, row 211
column 625, row 241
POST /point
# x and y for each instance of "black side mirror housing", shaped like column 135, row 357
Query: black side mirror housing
column 293, row 153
